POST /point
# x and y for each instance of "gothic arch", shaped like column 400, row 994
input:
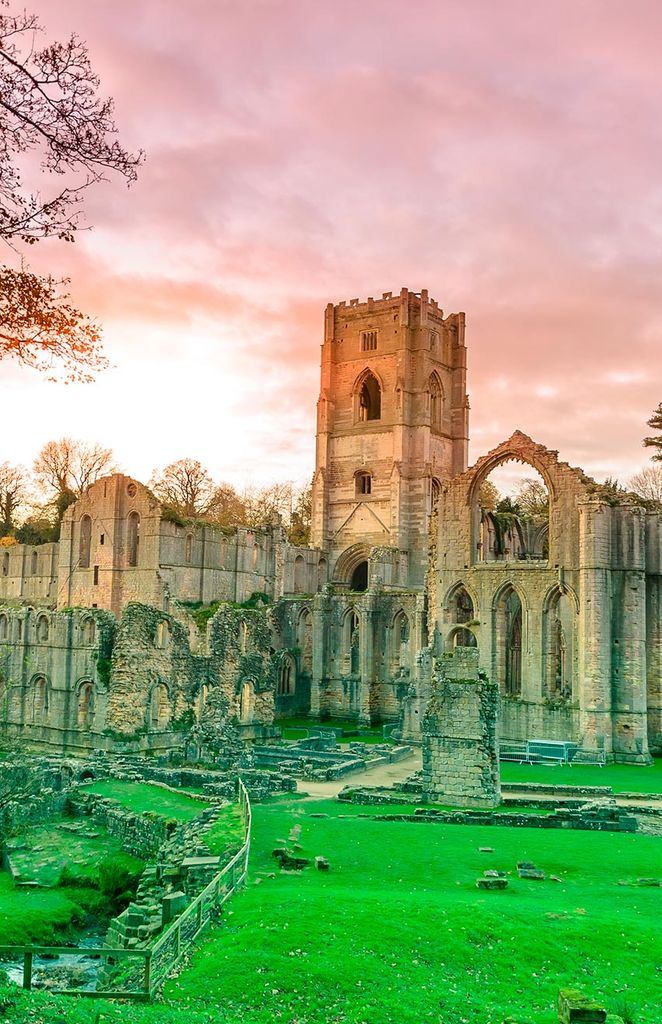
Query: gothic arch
column 458, row 597
column 509, row 631
column 349, row 561
column 367, row 395
column 436, row 401
column 559, row 643
column 287, row 676
column 85, row 704
column 305, row 639
column 40, row 690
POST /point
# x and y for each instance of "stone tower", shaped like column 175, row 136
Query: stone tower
column 392, row 425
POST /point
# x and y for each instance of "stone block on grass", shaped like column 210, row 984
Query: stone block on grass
column 576, row 1008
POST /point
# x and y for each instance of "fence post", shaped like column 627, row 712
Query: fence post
column 27, row 969
column 147, row 980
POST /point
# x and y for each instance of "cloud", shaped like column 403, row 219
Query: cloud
column 503, row 156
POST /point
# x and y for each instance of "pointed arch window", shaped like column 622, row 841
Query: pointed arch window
column 133, row 538
column 370, row 399
column 436, row 403
column 84, row 542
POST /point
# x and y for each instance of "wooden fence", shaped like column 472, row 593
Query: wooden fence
column 139, row 973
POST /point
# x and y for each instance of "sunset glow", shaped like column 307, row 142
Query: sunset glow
column 504, row 156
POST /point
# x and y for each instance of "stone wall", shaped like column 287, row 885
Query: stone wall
column 460, row 749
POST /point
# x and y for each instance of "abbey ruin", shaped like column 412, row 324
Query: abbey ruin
column 98, row 648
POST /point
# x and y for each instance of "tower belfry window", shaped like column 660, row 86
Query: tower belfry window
column 368, row 341
column 370, row 400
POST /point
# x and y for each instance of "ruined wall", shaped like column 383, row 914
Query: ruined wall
column 54, row 675
column 355, row 653
column 460, row 746
column 28, row 574
column 600, row 578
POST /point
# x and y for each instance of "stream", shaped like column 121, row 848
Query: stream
column 68, row 970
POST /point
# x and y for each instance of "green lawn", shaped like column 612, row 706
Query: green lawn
column 621, row 777
column 141, row 797
column 42, row 915
column 397, row 933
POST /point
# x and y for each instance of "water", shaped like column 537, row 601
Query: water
column 68, row 970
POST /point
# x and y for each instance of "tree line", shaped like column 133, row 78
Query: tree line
column 33, row 502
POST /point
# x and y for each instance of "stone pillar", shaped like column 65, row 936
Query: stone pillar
column 629, row 720
column 460, row 743
column 595, row 627
column 366, row 659
column 654, row 629
column 320, row 624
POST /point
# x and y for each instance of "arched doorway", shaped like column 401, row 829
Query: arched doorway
column 508, row 641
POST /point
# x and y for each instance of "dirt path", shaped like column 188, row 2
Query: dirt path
column 382, row 775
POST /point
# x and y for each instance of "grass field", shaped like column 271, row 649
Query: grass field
column 621, row 777
column 42, row 915
column 397, row 933
column 141, row 797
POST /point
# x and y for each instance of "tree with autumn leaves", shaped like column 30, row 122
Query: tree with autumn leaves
column 51, row 118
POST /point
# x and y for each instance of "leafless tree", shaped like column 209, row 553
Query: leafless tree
column 53, row 122
column 647, row 483
column 66, row 468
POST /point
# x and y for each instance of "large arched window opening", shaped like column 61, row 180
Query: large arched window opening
column 508, row 642
column 299, row 575
column 133, row 538
column 400, row 641
column 41, row 700
column 84, row 542
column 85, row 709
column 42, row 629
column 369, row 399
column 305, row 640
column 35, row 563
column 353, row 640
column 88, row 632
column 511, row 514
column 460, row 605
column 286, row 676
column 559, row 642
column 436, row 403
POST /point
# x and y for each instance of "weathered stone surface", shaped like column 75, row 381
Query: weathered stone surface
column 576, row 1008
column 491, row 883
column 460, row 751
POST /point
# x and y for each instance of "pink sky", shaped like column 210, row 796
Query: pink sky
column 506, row 156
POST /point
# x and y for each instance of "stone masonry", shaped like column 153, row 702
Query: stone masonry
column 460, row 749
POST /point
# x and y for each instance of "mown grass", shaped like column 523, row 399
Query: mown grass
column 141, row 797
column 621, row 777
column 398, row 932
column 44, row 916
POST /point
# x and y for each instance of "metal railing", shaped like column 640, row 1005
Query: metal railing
column 139, row 973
